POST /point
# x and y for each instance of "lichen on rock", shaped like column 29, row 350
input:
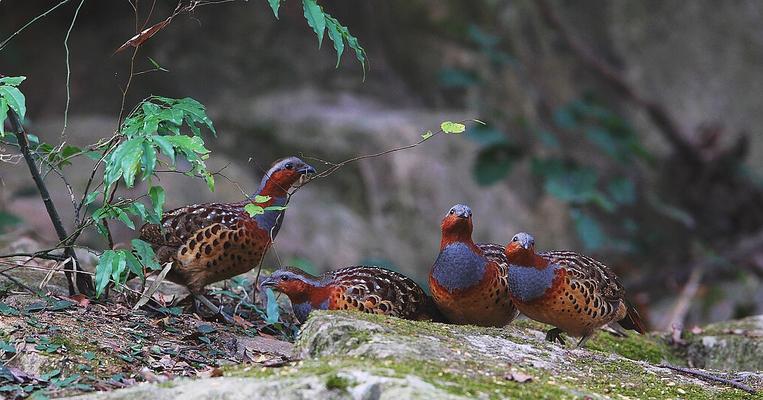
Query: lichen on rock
column 349, row 355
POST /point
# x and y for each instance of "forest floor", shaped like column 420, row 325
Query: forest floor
column 53, row 345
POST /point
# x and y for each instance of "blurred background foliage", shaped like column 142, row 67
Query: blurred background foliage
column 628, row 130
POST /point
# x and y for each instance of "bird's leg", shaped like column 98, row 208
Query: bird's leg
column 215, row 309
column 583, row 341
column 555, row 334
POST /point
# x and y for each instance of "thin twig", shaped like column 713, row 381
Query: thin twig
column 709, row 377
column 43, row 254
column 335, row 166
column 68, row 72
column 5, row 42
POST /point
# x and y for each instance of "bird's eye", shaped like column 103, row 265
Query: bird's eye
column 289, row 165
column 284, row 278
column 452, row 212
column 516, row 239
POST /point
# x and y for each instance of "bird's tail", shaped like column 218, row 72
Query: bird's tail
column 632, row 319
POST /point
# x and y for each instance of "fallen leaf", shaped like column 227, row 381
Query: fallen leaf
column 80, row 299
column 211, row 372
column 696, row 330
column 240, row 321
column 144, row 35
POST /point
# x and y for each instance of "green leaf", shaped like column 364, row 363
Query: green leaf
column 254, row 209
column 124, row 161
column 15, row 100
column 3, row 115
column 130, row 161
column 156, row 193
column 205, row 329
column 336, row 37
column 138, row 209
column 274, row 4
column 275, row 208
column 271, row 311
column 122, row 216
column 145, row 254
column 148, row 160
column 118, row 266
column 588, row 230
column 452, row 127
column 604, row 141
column 360, row 52
column 103, row 272
column 7, row 347
column 188, row 144
column 165, row 146
column 210, row 181
column 12, row 80
column 196, row 112
column 133, row 265
column 8, row 310
column 315, row 18
column 261, row 199
column 47, row 376
column 61, row 305
column 622, row 191
column 494, row 163
column 427, row 135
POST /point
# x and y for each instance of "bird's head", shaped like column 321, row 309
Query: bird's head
column 282, row 175
column 521, row 249
column 457, row 225
column 293, row 282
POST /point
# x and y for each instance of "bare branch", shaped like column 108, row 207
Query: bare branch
column 709, row 377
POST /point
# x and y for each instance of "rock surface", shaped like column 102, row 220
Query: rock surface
column 360, row 356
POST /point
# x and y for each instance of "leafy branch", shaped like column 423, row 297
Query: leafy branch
column 321, row 21
column 447, row 127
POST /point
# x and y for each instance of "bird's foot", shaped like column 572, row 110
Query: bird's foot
column 583, row 341
column 200, row 299
column 554, row 335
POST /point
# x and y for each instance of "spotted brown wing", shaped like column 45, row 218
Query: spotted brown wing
column 595, row 282
column 381, row 291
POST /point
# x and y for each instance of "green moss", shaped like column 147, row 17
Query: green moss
column 459, row 378
column 650, row 348
column 629, row 379
column 167, row 384
column 336, row 382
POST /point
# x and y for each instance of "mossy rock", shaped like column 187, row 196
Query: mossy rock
column 731, row 345
column 360, row 356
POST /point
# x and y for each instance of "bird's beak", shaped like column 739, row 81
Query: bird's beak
column 306, row 169
column 525, row 244
column 268, row 282
column 462, row 214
